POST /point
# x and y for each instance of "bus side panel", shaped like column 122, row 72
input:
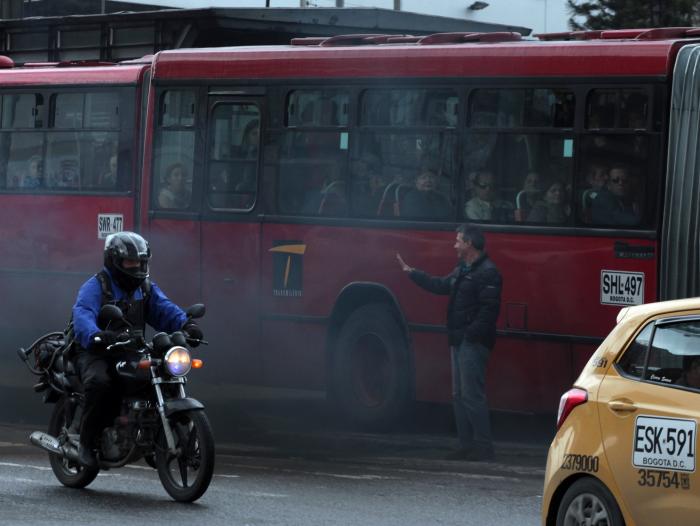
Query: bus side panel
column 527, row 375
column 546, row 311
column 433, row 367
column 559, row 280
column 230, row 291
column 175, row 264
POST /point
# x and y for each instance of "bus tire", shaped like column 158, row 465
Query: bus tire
column 370, row 373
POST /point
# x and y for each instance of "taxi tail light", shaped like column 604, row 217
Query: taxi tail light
column 569, row 400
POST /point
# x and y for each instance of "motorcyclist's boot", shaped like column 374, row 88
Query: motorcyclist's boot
column 87, row 457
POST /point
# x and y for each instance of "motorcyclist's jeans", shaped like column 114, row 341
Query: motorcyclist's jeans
column 469, row 395
column 102, row 395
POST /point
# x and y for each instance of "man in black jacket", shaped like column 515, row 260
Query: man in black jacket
column 474, row 287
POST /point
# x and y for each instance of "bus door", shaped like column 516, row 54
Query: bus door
column 173, row 226
column 231, row 235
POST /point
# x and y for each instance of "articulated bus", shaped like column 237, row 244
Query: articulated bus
column 279, row 182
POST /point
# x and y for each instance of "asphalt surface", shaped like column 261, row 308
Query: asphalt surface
column 266, row 485
column 286, row 458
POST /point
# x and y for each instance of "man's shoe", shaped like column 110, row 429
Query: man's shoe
column 86, row 456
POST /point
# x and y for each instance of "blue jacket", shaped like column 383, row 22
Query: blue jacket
column 162, row 314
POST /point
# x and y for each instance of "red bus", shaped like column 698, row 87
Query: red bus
column 279, row 182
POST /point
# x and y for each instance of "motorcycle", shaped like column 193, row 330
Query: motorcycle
column 157, row 421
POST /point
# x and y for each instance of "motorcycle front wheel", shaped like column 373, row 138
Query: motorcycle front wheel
column 186, row 475
column 68, row 472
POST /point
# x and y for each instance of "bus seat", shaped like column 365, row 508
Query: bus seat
column 399, row 193
column 587, row 197
column 382, row 209
column 333, row 199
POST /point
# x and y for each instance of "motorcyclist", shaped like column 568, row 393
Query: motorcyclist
column 124, row 282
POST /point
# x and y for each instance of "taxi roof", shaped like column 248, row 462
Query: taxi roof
column 639, row 313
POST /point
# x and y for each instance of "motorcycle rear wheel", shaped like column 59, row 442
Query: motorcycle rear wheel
column 186, row 476
column 68, row 472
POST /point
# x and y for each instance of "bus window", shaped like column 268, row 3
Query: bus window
column 22, row 111
column 404, row 107
column 21, row 144
column 518, row 178
column 317, row 108
column 233, row 156
column 633, row 109
column 177, row 108
column 173, row 167
column 77, row 158
column 617, row 108
column 312, row 172
column 517, row 108
column 25, row 160
column 406, row 175
column 614, row 179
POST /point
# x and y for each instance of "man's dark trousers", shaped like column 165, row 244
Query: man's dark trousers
column 469, row 362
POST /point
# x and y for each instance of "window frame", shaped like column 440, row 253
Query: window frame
column 656, row 324
column 125, row 130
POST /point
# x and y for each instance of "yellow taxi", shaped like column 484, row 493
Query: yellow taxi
column 625, row 448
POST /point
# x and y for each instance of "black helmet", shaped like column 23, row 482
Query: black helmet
column 127, row 245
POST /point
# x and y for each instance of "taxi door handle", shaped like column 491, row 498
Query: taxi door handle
column 621, row 407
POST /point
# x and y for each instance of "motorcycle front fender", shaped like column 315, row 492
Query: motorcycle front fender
column 182, row 404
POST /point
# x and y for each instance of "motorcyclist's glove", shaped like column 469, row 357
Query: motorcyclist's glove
column 101, row 340
column 192, row 331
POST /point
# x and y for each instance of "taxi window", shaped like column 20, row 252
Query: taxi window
column 674, row 356
column 632, row 362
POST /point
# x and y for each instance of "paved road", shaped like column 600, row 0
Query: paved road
column 266, row 485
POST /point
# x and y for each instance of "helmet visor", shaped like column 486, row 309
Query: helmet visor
column 137, row 268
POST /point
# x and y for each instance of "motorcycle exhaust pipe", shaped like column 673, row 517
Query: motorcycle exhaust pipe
column 46, row 442
column 52, row 445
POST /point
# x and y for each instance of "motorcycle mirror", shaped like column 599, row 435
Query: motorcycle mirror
column 111, row 313
column 196, row 311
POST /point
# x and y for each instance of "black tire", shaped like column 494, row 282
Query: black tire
column 195, row 442
column 68, row 472
column 370, row 370
column 586, row 498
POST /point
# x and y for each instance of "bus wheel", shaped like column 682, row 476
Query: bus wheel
column 370, row 372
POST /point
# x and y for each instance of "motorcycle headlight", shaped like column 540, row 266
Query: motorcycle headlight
column 178, row 361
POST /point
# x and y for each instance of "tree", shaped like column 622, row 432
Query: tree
column 622, row 14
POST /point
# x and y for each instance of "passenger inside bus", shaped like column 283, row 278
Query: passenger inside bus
column 528, row 196
column 424, row 200
column 108, row 179
column 616, row 204
column 596, row 180
column 484, row 205
column 553, row 206
column 33, row 176
column 174, row 193
column 249, row 141
column 368, row 185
